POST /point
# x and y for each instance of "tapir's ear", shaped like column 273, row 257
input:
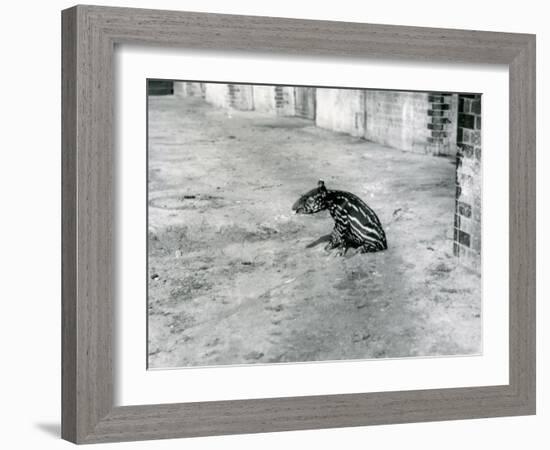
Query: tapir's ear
column 322, row 188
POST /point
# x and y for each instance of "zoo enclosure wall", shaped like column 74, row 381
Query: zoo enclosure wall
column 420, row 122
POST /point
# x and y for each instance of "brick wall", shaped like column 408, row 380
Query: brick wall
column 284, row 100
column 264, row 98
column 467, row 231
column 442, row 124
column 398, row 119
column 412, row 121
column 240, row 96
column 341, row 110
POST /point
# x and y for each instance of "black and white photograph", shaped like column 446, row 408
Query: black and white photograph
column 293, row 224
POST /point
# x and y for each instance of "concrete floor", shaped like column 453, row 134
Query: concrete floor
column 230, row 278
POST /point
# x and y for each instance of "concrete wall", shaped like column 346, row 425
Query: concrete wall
column 341, row 110
column 217, row 94
column 467, row 232
column 452, row 125
column 189, row 89
column 304, row 102
column 410, row 121
column 236, row 96
column 179, row 89
column 264, row 98
column 271, row 99
column 398, row 119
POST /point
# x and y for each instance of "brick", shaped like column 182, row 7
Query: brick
column 476, row 106
column 466, row 121
column 464, row 238
column 439, row 120
column 468, row 226
column 476, row 244
column 477, row 203
column 466, row 136
column 457, row 221
column 439, row 134
column 475, row 138
column 465, row 179
column 464, row 209
column 478, row 123
column 459, row 132
column 478, row 153
column 441, row 107
column 467, row 150
column 477, row 216
column 436, row 126
column 436, row 113
column 436, row 99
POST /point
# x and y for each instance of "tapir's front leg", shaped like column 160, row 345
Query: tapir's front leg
column 336, row 239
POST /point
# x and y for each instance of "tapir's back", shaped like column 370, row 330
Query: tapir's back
column 359, row 224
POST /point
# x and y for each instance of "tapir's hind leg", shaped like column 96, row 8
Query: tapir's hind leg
column 371, row 248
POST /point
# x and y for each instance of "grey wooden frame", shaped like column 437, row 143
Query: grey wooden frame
column 89, row 37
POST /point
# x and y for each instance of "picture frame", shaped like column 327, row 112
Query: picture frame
column 89, row 37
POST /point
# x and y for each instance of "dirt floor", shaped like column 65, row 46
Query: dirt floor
column 230, row 278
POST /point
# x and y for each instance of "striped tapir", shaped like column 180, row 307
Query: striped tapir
column 356, row 225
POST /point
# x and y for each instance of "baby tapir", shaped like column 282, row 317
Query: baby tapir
column 356, row 225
